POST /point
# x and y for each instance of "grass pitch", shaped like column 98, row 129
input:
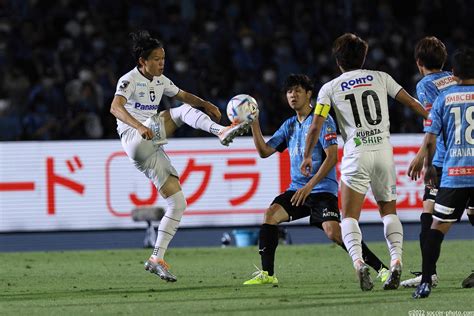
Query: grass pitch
column 314, row 280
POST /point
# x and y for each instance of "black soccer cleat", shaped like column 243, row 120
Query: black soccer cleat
column 469, row 281
column 422, row 291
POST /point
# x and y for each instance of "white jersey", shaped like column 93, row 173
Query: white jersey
column 143, row 96
column 359, row 98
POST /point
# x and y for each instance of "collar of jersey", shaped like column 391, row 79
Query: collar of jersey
column 144, row 75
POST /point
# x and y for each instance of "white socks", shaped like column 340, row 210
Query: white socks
column 195, row 118
column 169, row 223
column 393, row 232
column 352, row 237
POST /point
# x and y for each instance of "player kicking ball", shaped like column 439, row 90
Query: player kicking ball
column 143, row 126
column 314, row 195
column 359, row 98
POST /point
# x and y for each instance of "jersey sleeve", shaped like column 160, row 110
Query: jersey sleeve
column 125, row 87
column 434, row 123
column 324, row 97
column 392, row 86
column 170, row 88
column 278, row 140
column 328, row 134
column 421, row 93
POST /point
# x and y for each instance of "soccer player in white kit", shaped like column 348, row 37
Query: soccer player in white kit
column 143, row 127
column 359, row 98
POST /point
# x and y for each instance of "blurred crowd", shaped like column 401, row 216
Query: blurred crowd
column 60, row 60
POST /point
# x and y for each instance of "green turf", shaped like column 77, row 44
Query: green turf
column 314, row 279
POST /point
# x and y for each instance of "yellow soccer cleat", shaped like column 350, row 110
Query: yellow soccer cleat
column 383, row 275
column 261, row 277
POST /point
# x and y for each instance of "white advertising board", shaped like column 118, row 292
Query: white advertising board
column 77, row 185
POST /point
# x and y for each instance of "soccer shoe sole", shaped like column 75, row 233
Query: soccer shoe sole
column 153, row 268
column 238, row 131
column 366, row 283
column 393, row 281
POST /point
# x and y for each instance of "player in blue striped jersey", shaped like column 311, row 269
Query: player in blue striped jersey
column 430, row 56
column 452, row 113
column 314, row 195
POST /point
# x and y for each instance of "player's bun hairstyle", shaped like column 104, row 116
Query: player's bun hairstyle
column 350, row 51
column 463, row 63
column 431, row 53
column 294, row 80
column 143, row 44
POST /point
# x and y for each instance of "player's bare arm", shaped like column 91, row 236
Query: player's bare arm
column 407, row 100
column 415, row 168
column 117, row 108
column 416, row 165
column 311, row 140
column 263, row 149
column 197, row 102
column 429, row 146
column 329, row 162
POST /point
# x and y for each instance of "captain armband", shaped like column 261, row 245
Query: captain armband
column 322, row 110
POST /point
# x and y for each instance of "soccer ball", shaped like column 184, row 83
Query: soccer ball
column 242, row 108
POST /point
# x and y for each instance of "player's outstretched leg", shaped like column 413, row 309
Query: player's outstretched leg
column 186, row 114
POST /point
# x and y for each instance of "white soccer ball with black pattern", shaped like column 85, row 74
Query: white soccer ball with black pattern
column 242, row 108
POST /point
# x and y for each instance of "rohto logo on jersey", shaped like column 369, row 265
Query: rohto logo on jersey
column 356, row 83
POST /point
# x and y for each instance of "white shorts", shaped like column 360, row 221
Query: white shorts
column 375, row 168
column 149, row 158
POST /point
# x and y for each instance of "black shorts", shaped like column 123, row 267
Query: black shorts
column 451, row 203
column 430, row 192
column 321, row 207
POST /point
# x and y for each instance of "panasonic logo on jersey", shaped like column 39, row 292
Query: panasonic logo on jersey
column 358, row 82
column 140, row 106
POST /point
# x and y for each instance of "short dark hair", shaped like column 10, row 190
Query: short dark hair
column 294, row 80
column 431, row 52
column 143, row 44
column 463, row 63
column 350, row 51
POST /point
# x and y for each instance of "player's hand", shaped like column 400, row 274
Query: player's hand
column 431, row 178
column 305, row 166
column 300, row 196
column 212, row 111
column 146, row 132
column 415, row 168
